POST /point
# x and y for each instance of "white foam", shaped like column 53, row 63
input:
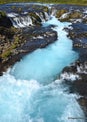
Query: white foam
column 22, row 101
column 82, row 69
column 41, row 16
column 85, row 11
column 64, row 15
column 52, row 103
column 19, row 21
column 77, row 20
column 69, row 76
column 39, row 37
column 46, row 16
column 13, row 96
column 12, row 14
column 73, row 116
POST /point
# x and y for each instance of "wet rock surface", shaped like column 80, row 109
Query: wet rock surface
column 76, row 75
column 77, row 72
column 71, row 13
column 4, row 20
column 79, row 36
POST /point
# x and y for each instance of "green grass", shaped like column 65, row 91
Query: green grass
column 77, row 2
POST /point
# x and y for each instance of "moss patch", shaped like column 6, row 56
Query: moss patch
column 59, row 13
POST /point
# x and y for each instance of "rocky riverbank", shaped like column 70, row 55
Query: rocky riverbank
column 15, row 46
column 76, row 75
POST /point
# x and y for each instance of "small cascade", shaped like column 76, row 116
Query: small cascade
column 23, row 17
column 20, row 21
column 42, row 16
column 27, row 19
column 47, row 16
column 53, row 11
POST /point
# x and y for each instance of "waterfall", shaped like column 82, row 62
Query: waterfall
column 20, row 21
column 26, row 20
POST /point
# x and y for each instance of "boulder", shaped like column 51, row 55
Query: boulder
column 59, row 13
column 70, row 16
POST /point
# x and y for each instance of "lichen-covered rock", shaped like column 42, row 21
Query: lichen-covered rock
column 59, row 13
column 84, row 20
column 7, row 41
column 75, row 15
column 70, row 16
column 35, row 18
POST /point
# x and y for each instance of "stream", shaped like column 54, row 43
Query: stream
column 32, row 92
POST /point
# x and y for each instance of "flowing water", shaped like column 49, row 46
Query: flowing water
column 29, row 91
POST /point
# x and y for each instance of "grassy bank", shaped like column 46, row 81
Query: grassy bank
column 77, row 2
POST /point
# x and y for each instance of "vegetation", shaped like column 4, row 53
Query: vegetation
column 9, row 50
column 9, row 40
column 68, row 17
column 2, row 13
column 79, row 2
column 61, row 12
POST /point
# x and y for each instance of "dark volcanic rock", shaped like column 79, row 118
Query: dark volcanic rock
column 79, row 36
column 4, row 20
column 83, row 103
column 38, row 37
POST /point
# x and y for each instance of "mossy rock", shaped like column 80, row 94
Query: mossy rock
column 6, row 54
column 35, row 18
column 59, row 13
column 32, row 14
column 65, row 19
column 9, row 49
column 13, row 7
column 7, row 32
column 19, row 9
column 75, row 15
column 45, row 9
column 41, row 8
column 70, row 16
column 2, row 14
